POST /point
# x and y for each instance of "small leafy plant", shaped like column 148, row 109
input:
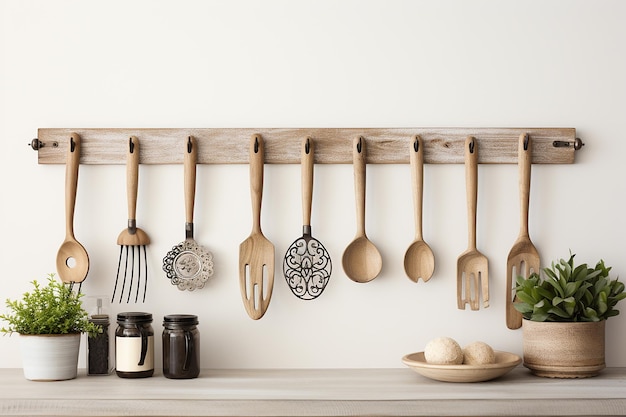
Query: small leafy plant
column 569, row 293
column 50, row 309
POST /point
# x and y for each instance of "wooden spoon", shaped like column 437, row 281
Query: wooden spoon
column 361, row 260
column 523, row 257
column 419, row 260
column 256, row 253
column 72, row 258
column 472, row 266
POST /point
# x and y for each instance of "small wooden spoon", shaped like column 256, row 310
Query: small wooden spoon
column 361, row 260
column 419, row 260
column 72, row 258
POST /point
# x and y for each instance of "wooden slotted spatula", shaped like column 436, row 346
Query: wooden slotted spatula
column 256, row 253
column 523, row 258
column 472, row 266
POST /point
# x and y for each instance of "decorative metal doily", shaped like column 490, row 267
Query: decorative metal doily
column 307, row 268
column 188, row 265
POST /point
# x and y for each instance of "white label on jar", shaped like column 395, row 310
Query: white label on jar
column 128, row 354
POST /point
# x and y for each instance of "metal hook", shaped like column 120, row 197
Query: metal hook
column 526, row 140
column 72, row 144
column 471, row 146
column 36, row 144
column 416, row 144
column 307, row 147
column 578, row 143
column 256, row 144
column 359, row 145
column 189, row 145
column 131, row 145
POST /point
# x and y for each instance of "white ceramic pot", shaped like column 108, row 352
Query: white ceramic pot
column 50, row 357
column 564, row 350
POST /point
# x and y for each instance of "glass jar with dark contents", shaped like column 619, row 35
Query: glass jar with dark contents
column 134, row 345
column 98, row 347
column 181, row 346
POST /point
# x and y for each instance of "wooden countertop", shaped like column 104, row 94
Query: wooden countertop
column 313, row 392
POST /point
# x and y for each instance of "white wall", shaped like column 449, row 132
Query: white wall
column 324, row 64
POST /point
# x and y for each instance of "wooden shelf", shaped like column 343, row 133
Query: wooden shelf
column 282, row 145
column 314, row 392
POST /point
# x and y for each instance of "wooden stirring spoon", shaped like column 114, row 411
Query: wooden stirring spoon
column 72, row 258
column 361, row 260
column 256, row 253
column 523, row 257
column 419, row 260
column 472, row 266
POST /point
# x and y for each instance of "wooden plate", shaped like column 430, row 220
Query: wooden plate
column 505, row 361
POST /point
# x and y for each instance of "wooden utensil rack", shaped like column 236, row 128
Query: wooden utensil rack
column 107, row 146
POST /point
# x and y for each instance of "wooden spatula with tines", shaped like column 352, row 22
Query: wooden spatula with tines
column 472, row 266
column 256, row 253
column 523, row 258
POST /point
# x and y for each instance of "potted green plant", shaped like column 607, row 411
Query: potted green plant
column 564, row 314
column 50, row 320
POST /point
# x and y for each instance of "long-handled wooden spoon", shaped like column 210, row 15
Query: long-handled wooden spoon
column 256, row 253
column 72, row 258
column 419, row 260
column 361, row 260
column 523, row 258
column 472, row 266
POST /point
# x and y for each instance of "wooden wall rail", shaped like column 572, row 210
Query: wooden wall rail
column 282, row 145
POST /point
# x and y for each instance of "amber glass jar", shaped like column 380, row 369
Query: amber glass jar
column 134, row 345
column 181, row 346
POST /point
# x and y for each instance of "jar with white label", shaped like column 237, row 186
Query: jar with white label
column 134, row 345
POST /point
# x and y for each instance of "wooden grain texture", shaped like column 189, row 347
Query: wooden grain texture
column 282, row 145
column 313, row 392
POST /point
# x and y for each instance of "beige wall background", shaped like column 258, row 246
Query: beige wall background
column 321, row 64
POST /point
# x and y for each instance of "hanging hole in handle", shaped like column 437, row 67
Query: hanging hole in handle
column 307, row 147
column 359, row 146
column 526, row 140
column 131, row 145
column 471, row 146
column 72, row 144
column 189, row 145
column 256, row 144
column 416, row 144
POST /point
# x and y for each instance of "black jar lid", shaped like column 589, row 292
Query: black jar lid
column 100, row 319
column 181, row 319
column 134, row 317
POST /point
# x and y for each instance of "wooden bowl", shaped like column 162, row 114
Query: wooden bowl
column 505, row 361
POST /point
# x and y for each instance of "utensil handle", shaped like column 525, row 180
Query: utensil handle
column 524, row 163
column 471, row 186
column 417, row 177
column 191, row 155
column 257, row 159
column 308, row 150
column 358, row 159
column 71, row 182
column 132, row 177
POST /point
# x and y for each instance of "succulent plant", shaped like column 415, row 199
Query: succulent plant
column 569, row 293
